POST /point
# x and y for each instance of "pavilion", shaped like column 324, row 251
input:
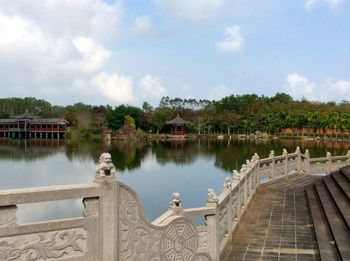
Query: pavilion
column 177, row 126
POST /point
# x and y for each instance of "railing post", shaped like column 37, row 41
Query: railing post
column 108, row 220
column 257, row 171
column 248, row 180
column 329, row 162
column 298, row 160
column 307, row 162
column 213, row 224
column 285, row 169
column 228, row 189
column 243, row 172
column 237, row 180
column 272, row 157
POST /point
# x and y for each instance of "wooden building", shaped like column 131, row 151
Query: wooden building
column 177, row 126
column 28, row 125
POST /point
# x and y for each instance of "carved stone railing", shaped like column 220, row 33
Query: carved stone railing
column 224, row 212
column 113, row 227
column 70, row 238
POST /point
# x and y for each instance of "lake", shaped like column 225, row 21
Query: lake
column 154, row 169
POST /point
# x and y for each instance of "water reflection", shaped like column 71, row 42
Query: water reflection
column 29, row 150
column 154, row 169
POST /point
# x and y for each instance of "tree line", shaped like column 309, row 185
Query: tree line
column 232, row 114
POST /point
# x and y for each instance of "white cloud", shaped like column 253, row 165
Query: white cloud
column 311, row 4
column 114, row 87
column 151, row 87
column 15, row 29
column 142, row 26
column 93, row 56
column 47, row 47
column 329, row 90
column 220, row 92
column 233, row 41
column 333, row 3
column 340, row 87
column 299, row 86
column 194, row 11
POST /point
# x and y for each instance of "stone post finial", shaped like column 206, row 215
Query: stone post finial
column 175, row 200
column 348, row 154
column 285, row 152
column 105, row 166
column 328, row 155
column 272, row 154
column 236, row 175
column 254, row 157
column 227, row 184
column 297, row 149
column 307, row 153
column 212, row 197
column 243, row 168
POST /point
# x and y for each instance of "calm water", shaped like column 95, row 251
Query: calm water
column 154, row 170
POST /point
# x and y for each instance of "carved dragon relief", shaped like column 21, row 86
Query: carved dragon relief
column 143, row 241
column 44, row 246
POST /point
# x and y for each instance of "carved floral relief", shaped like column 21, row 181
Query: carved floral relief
column 44, row 246
column 139, row 240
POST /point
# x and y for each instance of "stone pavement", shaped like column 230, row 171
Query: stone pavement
column 277, row 224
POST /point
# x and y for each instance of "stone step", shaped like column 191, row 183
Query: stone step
column 336, row 223
column 324, row 236
column 346, row 172
column 339, row 198
column 342, row 182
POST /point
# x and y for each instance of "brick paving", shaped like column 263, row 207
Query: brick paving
column 277, row 224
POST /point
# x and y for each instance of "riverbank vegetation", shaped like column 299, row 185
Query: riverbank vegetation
column 233, row 114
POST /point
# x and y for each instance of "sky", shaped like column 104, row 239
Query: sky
column 129, row 51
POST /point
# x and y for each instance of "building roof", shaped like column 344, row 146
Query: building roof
column 26, row 115
column 8, row 120
column 177, row 121
column 33, row 119
column 49, row 121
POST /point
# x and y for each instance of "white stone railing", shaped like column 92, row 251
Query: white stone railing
column 52, row 239
column 113, row 228
column 223, row 213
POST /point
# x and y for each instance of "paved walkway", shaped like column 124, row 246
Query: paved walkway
column 277, row 225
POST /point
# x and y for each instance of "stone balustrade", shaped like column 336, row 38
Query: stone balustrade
column 114, row 228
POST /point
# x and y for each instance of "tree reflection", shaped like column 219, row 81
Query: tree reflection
column 179, row 152
column 29, row 150
column 126, row 155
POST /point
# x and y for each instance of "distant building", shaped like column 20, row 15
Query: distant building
column 28, row 125
column 177, row 126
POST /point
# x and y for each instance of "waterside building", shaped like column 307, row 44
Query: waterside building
column 28, row 125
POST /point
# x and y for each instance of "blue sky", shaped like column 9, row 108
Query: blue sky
column 114, row 52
